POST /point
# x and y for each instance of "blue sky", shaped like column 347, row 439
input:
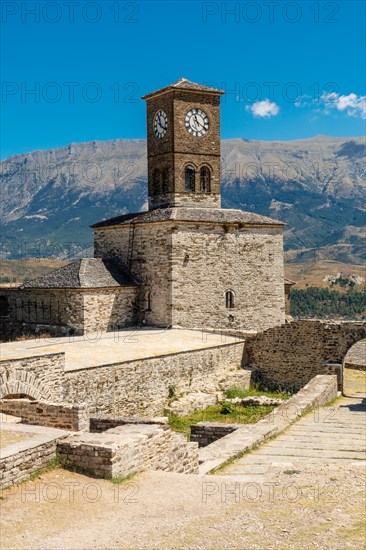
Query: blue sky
column 292, row 69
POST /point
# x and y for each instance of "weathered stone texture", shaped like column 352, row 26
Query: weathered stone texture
column 130, row 449
column 19, row 460
column 142, row 387
column 39, row 377
column 208, row 260
column 150, row 249
column 62, row 311
column 290, row 355
column 52, row 415
column 188, row 267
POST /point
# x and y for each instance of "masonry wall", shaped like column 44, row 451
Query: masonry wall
column 109, row 309
column 188, row 267
column 292, row 354
column 61, row 312
column 19, row 465
column 151, row 257
column 42, row 310
column 142, row 387
column 52, row 415
column 210, row 259
column 39, row 377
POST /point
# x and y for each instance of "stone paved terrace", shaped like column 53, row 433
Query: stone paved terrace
column 326, row 437
column 116, row 347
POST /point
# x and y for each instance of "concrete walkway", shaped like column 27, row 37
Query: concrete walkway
column 328, row 436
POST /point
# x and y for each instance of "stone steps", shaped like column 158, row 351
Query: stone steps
column 312, row 444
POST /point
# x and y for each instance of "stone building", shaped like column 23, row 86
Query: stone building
column 185, row 262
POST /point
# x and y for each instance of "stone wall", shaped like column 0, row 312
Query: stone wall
column 19, row 460
column 210, row 259
column 150, row 261
column 52, row 415
column 109, row 309
column 52, row 311
column 188, row 267
column 290, row 355
column 142, row 387
column 127, row 449
column 39, row 377
column 68, row 311
column 205, row 433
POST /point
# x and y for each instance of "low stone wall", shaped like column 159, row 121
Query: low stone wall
column 53, row 415
column 205, row 433
column 143, row 387
column 130, row 449
column 39, row 377
column 20, row 460
column 320, row 390
column 290, row 355
column 100, row 424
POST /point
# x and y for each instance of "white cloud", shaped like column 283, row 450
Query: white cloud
column 263, row 109
column 352, row 104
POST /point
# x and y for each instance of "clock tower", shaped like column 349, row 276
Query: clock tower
column 183, row 146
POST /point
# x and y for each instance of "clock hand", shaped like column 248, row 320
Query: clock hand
column 199, row 124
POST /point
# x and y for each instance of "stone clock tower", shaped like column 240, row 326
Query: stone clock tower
column 183, row 146
column 197, row 265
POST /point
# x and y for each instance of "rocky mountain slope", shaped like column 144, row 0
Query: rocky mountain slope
column 317, row 186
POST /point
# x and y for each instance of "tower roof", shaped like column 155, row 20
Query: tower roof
column 184, row 84
column 182, row 214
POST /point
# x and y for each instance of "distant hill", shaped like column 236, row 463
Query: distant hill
column 316, row 186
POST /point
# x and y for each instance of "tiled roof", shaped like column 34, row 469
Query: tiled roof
column 182, row 214
column 184, row 84
column 85, row 273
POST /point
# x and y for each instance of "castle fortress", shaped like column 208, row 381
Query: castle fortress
column 185, row 262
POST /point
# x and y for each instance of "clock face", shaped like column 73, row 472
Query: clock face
column 160, row 124
column 197, row 122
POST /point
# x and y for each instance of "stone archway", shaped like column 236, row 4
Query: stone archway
column 354, row 370
column 24, row 383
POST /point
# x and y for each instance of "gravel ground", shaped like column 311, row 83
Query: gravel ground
column 322, row 508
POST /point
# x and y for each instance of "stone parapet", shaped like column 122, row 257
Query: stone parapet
column 52, row 415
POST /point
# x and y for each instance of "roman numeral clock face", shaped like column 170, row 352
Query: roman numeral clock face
column 197, row 122
column 160, row 124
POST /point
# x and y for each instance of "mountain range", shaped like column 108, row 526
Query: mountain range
column 316, row 186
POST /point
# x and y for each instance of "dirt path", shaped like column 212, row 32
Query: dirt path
column 63, row 510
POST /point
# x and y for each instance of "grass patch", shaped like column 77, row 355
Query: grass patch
column 256, row 390
column 291, row 472
column 219, row 413
column 118, row 480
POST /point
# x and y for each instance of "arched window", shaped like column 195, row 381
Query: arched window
column 4, row 307
column 156, row 181
column 229, row 299
column 190, row 179
column 148, row 300
column 165, row 180
column 205, row 180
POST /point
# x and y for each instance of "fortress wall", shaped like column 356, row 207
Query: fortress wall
column 290, row 355
column 142, row 387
